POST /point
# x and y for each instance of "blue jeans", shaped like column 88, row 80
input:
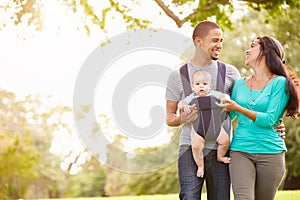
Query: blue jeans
column 216, row 175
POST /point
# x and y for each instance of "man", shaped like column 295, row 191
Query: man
column 207, row 37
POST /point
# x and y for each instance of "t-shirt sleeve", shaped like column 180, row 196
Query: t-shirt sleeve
column 173, row 90
column 233, row 114
column 232, row 75
column 189, row 98
column 233, row 72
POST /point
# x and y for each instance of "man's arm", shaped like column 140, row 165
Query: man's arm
column 281, row 129
column 172, row 119
column 185, row 106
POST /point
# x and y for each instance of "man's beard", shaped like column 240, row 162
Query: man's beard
column 213, row 58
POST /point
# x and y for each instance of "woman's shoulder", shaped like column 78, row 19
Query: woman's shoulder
column 278, row 82
column 242, row 80
column 279, row 79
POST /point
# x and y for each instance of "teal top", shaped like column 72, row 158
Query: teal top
column 259, row 136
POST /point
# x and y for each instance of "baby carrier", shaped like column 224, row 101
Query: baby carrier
column 210, row 116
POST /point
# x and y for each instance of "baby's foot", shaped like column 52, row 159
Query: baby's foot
column 224, row 159
column 200, row 171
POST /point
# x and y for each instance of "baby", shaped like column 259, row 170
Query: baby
column 205, row 98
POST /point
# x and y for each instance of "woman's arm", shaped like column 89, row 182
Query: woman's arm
column 231, row 105
column 274, row 110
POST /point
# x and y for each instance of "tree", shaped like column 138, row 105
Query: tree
column 18, row 158
column 163, row 180
column 27, row 168
column 43, row 122
column 292, row 180
column 17, row 153
column 180, row 11
column 219, row 9
column 90, row 182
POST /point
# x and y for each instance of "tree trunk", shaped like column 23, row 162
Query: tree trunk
column 292, row 182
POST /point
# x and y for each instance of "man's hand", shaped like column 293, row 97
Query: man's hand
column 174, row 119
column 281, row 129
column 188, row 117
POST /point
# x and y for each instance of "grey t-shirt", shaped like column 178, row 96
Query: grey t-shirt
column 175, row 93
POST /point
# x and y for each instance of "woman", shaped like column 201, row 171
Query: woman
column 259, row 101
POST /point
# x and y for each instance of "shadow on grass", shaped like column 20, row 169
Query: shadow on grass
column 281, row 195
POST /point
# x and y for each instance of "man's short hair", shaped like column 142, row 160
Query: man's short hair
column 202, row 28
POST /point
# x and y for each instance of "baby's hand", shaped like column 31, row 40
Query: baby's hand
column 187, row 109
column 223, row 97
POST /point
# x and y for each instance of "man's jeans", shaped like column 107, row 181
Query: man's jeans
column 216, row 175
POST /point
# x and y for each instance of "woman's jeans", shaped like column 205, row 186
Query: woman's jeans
column 256, row 176
column 216, row 175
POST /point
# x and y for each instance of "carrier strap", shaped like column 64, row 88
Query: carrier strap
column 185, row 79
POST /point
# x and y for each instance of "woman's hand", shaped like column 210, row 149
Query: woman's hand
column 229, row 105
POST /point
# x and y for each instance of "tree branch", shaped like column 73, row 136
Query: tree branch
column 259, row 2
column 170, row 13
column 199, row 9
column 180, row 22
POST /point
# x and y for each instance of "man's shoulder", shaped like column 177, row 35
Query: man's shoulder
column 174, row 77
column 175, row 73
column 229, row 66
column 232, row 71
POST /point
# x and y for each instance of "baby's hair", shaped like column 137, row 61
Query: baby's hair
column 204, row 75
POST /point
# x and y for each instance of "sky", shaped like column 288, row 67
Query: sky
column 45, row 63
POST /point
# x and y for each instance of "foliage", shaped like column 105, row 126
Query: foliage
column 180, row 11
column 183, row 11
column 28, row 12
column 163, row 181
column 287, row 30
column 18, row 156
column 46, row 120
column 26, row 166
column 31, row 13
column 237, row 41
column 89, row 182
column 293, row 154
column 158, row 181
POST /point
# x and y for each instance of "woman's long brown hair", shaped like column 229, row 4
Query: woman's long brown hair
column 273, row 52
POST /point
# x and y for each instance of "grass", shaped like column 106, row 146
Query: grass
column 288, row 195
column 281, row 195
